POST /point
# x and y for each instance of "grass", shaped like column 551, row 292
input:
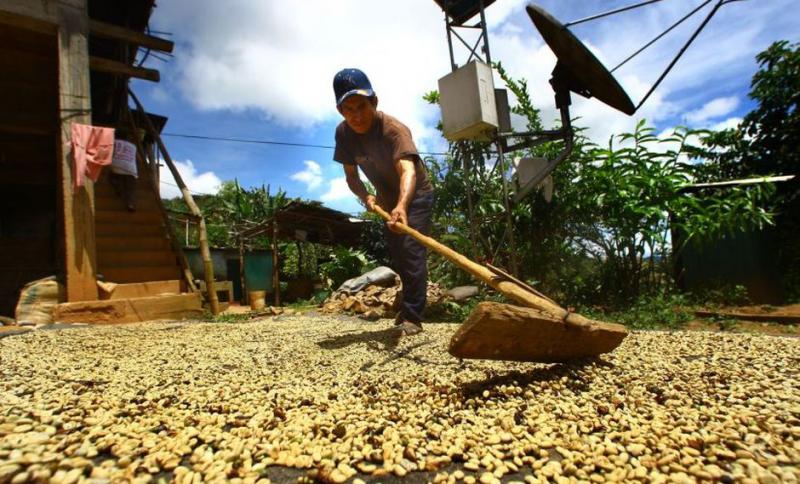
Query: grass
column 660, row 311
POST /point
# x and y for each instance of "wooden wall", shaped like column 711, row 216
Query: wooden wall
column 28, row 160
column 44, row 83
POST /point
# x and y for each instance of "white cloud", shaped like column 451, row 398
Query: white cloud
column 263, row 55
column 311, row 176
column 714, row 109
column 199, row 183
column 729, row 123
column 258, row 54
column 337, row 190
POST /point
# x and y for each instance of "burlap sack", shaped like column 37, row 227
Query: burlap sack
column 38, row 300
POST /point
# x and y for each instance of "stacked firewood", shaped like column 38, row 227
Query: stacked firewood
column 375, row 302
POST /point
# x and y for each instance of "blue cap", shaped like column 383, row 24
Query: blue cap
column 348, row 82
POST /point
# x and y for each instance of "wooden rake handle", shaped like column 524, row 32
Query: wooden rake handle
column 506, row 287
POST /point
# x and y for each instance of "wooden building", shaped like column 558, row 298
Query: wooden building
column 65, row 62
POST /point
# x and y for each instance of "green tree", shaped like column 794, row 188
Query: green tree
column 605, row 236
column 767, row 142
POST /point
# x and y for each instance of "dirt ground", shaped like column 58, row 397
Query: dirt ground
column 340, row 398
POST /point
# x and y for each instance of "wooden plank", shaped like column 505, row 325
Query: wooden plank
column 26, row 253
column 130, row 310
column 117, row 68
column 138, row 258
column 21, row 176
column 141, row 274
column 138, row 217
column 120, row 230
column 37, row 16
column 763, row 317
column 80, row 260
column 27, row 129
column 143, row 289
column 121, row 244
column 116, row 32
column 496, row 331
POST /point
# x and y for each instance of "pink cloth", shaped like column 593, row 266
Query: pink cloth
column 92, row 149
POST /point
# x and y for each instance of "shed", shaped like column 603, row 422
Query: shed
column 307, row 222
column 747, row 259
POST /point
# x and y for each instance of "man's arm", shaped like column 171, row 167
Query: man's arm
column 408, row 180
column 357, row 186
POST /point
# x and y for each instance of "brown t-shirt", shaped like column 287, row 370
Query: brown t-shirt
column 376, row 151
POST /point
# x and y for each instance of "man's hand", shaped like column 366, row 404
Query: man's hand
column 398, row 215
column 369, row 202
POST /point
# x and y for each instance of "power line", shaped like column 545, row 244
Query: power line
column 269, row 142
column 194, row 192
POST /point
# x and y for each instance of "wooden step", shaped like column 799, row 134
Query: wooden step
column 131, row 310
column 141, row 274
column 143, row 289
column 107, row 199
column 117, row 244
column 129, row 230
column 138, row 217
column 138, row 258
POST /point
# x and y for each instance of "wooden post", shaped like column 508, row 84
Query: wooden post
column 242, row 280
column 299, row 258
column 276, row 280
column 205, row 252
column 80, row 256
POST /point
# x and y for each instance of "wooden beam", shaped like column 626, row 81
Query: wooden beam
column 40, row 17
column 77, row 207
column 117, row 68
column 116, row 32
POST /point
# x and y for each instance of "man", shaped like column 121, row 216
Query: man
column 383, row 148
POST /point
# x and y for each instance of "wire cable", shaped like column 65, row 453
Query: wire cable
column 662, row 34
column 269, row 142
column 610, row 12
column 683, row 49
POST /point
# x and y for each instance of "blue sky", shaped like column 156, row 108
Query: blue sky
column 260, row 69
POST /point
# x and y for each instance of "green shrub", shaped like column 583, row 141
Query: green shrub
column 344, row 264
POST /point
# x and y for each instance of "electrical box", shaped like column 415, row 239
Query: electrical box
column 467, row 99
column 503, row 110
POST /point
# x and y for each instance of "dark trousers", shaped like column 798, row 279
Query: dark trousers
column 409, row 258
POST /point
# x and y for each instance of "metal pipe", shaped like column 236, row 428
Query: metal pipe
column 484, row 34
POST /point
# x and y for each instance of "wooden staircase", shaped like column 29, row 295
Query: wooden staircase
column 133, row 246
column 135, row 252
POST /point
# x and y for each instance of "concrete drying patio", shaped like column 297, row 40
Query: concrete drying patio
column 340, row 398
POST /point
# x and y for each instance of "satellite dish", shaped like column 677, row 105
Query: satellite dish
column 577, row 69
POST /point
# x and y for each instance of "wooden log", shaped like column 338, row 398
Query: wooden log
column 101, row 64
column 496, row 331
column 116, row 32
